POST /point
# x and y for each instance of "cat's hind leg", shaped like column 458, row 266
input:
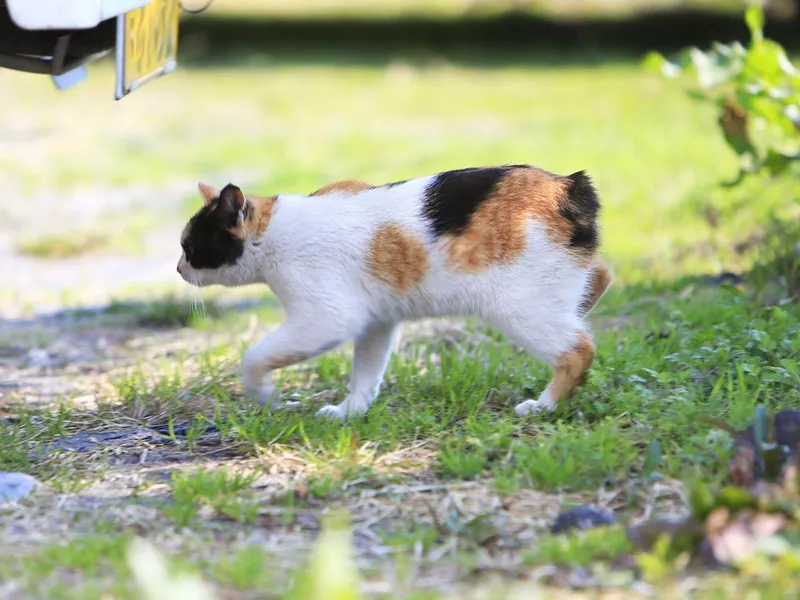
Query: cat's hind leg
column 292, row 342
column 569, row 371
column 371, row 355
column 600, row 277
column 565, row 344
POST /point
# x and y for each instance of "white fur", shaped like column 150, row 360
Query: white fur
column 313, row 256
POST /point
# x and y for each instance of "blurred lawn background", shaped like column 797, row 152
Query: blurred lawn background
column 278, row 96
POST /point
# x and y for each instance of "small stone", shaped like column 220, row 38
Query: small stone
column 12, row 351
column 39, row 358
column 308, row 521
column 582, row 517
column 16, row 486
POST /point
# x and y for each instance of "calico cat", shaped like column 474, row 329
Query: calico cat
column 513, row 245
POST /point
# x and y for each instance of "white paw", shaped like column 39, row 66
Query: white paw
column 332, row 413
column 291, row 405
column 534, row 407
column 266, row 395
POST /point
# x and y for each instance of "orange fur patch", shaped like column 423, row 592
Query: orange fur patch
column 259, row 219
column 349, row 186
column 284, row 360
column 497, row 230
column 397, row 259
column 599, row 281
column 572, row 368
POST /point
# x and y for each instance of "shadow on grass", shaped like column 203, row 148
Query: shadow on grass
column 512, row 38
column 165, row 312
column 773, row 277
column 778, row 271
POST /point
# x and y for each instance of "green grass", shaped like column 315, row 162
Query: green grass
column 672, row 348
column 221, row 492
column 169, row 311
column 114, row 236
column 64, row 245
column 713, row 357
column 581, row 548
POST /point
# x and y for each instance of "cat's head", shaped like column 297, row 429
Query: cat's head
column 220, row 240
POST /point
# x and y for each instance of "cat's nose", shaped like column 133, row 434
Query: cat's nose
column 179, row 269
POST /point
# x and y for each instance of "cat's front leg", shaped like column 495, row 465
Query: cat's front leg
column 291, row 343
column 370, row 358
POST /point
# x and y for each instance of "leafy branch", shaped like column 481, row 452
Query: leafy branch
column 756, row 90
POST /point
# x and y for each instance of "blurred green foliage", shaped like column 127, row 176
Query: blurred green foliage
column 757, row 92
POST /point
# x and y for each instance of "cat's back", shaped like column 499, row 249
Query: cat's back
column 345, row 215
column 465, row 220
column 355, row 203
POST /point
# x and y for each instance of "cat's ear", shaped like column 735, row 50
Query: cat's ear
column 207, row 192
column 231, row 199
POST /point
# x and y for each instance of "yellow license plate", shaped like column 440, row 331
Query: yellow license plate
column 147, row 44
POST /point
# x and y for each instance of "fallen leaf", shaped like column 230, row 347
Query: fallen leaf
column 731, row 542
column 301, row 491
column 743, row 466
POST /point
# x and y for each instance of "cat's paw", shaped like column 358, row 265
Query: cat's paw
column 534, row 407
column 332, row 412
column 266, row 395
column 341, row 412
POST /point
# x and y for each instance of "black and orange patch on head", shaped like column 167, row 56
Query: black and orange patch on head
column 481, row 213
column 215, row 236
column 397, row 258
column 208, row 242
column 257, row 215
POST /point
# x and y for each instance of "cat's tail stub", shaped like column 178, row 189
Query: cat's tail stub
column 580, row 206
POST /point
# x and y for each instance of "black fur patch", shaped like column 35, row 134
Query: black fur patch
column 580, row 208
column 208, row 243
column 453, row 196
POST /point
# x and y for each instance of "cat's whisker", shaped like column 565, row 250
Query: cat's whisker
column 198, row 302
